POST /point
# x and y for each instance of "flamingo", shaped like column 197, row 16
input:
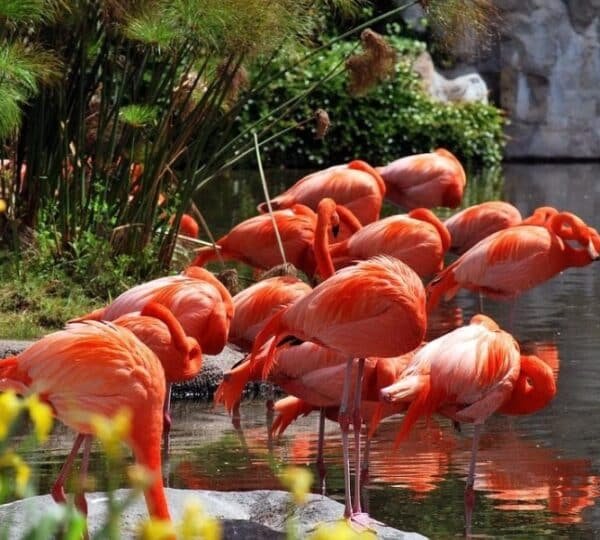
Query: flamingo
column 513, row 260
column 189, row 226
column 180, row 355
column 315, row 374
column 255, row 304
column 425, row 180
column 254, row 242
column 357, row 186
column 198, row 300
column 418, row 239
column 467, row 375
column 375, row 308
column 474, row 223
column 97, row 368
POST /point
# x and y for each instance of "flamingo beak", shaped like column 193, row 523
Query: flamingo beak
column 593, row 251
column 335, row 230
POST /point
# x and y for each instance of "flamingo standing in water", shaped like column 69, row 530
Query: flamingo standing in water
column 356, row 186
column 474, row 223
column 425, row 180
column 467, row 375
column 375, row 308
column 96, row 368
column 418, row 239
column 513, row 260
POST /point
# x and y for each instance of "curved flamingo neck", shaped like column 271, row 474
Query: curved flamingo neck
column 541, row 216
column 424, row 214
column 360, row 165
column 348, row 218
column 326, row 216
column 162, row 313
column 569, row 227
column 534, row 388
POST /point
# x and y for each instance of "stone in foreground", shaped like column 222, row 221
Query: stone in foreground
column 249, row 514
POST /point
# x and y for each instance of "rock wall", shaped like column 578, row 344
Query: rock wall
column 544, row 71
column 549, row 77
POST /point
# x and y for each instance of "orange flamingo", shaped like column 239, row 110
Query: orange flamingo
column 418, row 239
column 98, row 368
column 474, row 223
column 257, row 303
column 357, row 186
column 513, row 260
column 181, row 356
column 254, row 241
column 425, row 180
column 189, row 226
column 467, row 375
column 316, row 375
column 198, row 300
column 375, row 308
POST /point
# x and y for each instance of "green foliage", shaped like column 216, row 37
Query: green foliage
column 393, row 120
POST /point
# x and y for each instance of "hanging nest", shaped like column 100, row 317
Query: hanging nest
column 375, row 64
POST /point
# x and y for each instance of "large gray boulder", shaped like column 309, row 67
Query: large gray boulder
column 248, row 514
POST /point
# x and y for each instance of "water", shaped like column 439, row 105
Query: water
column 537, row 476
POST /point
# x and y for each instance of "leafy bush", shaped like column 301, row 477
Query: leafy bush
column 397, row 118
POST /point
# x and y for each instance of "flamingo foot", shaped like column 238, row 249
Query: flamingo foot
column 361, row 521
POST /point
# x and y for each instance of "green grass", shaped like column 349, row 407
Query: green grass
column 31, row 306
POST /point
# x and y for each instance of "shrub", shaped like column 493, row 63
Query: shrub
column 396, row 118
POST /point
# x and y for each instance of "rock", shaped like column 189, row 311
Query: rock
column 202, row 387
column 462, row 89
column 248, row 514
column 12, row 347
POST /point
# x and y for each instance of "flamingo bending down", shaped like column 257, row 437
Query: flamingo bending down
column 181, row 356
column 198, row 300
column 126, row 375
column 474, row 223
column 513, row 260
column 425, row 180
column 418, row 239
column 357, row 186
column 315, row 374
column 467, row 375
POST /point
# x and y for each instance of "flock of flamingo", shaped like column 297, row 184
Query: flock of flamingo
column 350, row 344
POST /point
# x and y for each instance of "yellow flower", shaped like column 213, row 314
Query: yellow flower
column 197, row 524
column 297, row 480
column 156, row 529
column 41, row 416
column 10, row 406
column 3, row 206
column 22, row 470
column 340, row 530
column 140, row 477
column 112, row 431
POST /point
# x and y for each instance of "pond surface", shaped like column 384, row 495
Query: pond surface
column 537, row 476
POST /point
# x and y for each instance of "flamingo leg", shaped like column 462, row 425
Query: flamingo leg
column 58, row 489
column 344, row 420
column 270, row 393
column 320, row 451
column 167, row 421
column 364, row 469
column 357, row 425
column 80, row 501
column 469, row 491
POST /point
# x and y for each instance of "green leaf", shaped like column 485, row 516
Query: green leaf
column 139, row 116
